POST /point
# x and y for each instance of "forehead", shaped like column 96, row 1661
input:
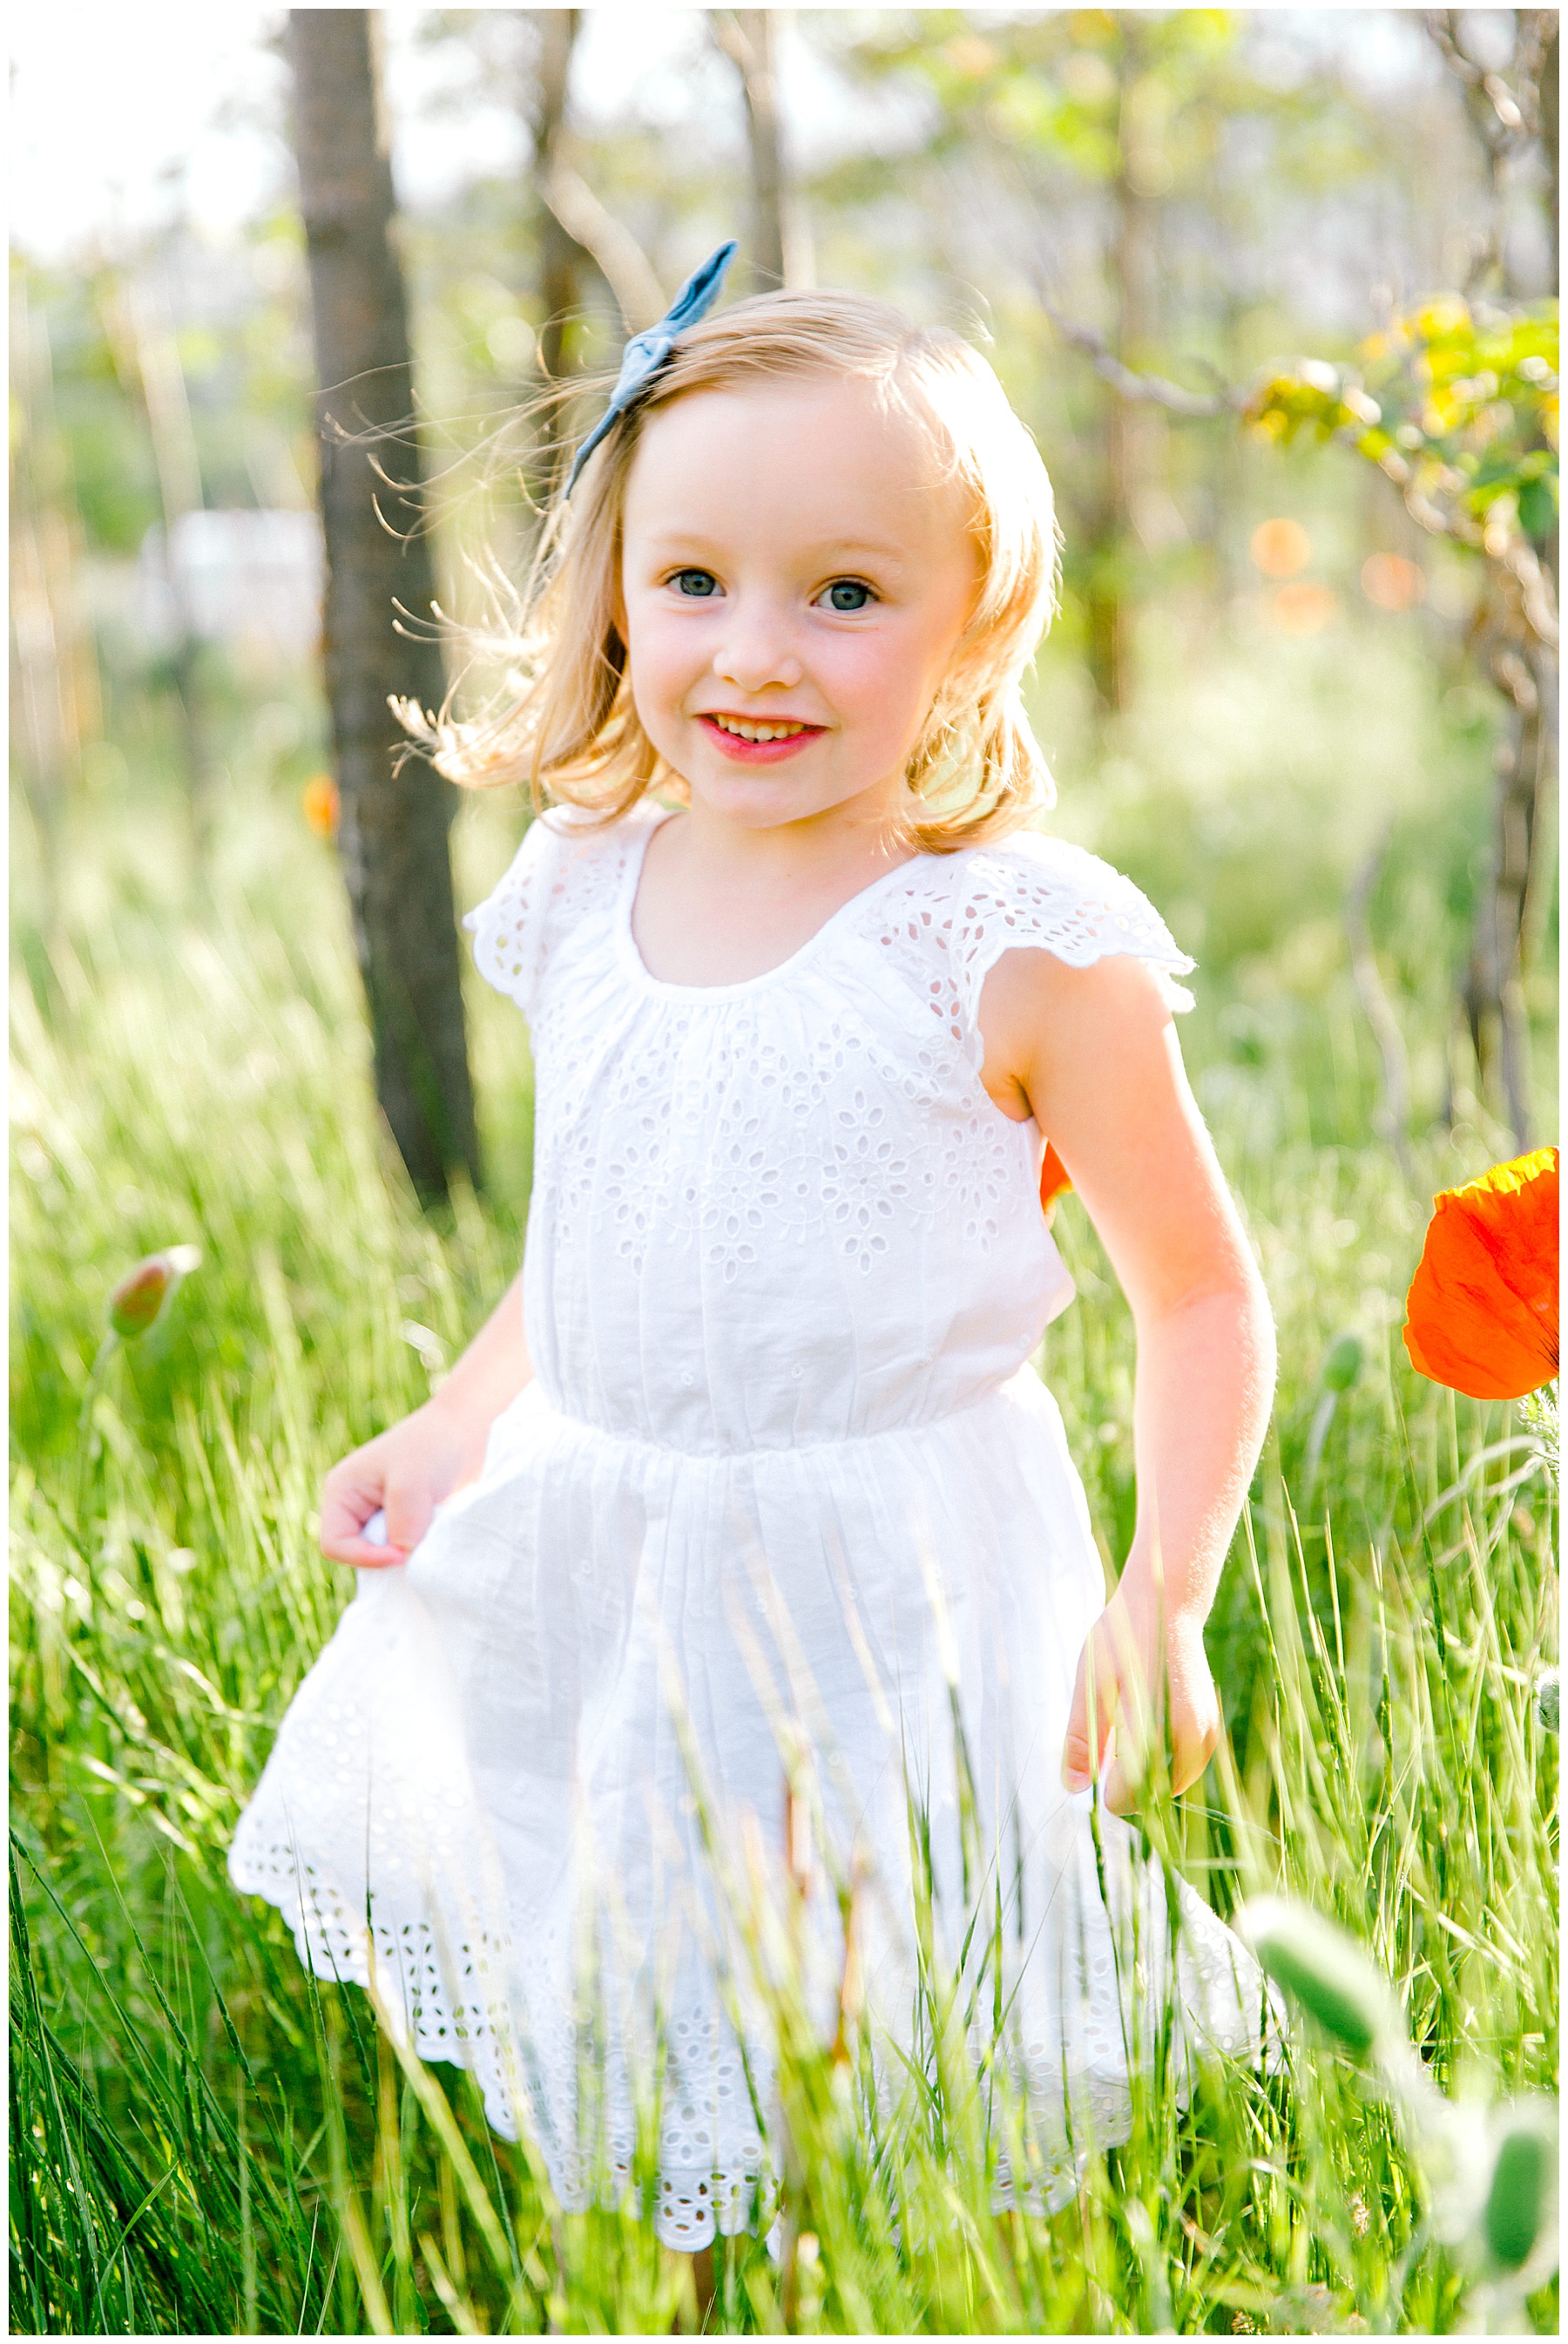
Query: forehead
column 792, row 453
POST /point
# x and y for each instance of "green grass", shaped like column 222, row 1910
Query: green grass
column 202, row 2140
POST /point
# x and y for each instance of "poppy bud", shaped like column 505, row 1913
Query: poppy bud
column 1326, row 1974
column 1549, row 1699
column 1343, row 1364
column 140, row 1296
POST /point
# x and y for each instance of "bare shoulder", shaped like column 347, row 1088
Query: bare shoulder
column 1044, row 1024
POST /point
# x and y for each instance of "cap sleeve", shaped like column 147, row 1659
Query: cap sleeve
column 1037, row 891
column 511, row 927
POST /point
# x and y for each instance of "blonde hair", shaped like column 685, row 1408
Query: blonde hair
column 566, row 724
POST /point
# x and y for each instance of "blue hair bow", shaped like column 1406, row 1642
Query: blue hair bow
column 648, row 351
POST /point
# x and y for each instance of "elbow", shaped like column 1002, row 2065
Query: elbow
column 1233, row 1312
column 1263, row 1343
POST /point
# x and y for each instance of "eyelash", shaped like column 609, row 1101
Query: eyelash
column 870, row 593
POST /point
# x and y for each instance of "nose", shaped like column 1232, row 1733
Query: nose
column 757, row 649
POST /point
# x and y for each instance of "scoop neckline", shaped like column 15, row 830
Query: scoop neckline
column 628, row 944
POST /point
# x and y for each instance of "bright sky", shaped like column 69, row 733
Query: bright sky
column 106, row 104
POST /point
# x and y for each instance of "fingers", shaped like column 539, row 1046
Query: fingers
column 1193, row 1742
column 1159, row 1696
column 362, row 1554
column 1149, row 1762
column 350, row 1494
column 409, row 1514
column 1088, row 1723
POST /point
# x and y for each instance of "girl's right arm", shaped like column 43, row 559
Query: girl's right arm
column 408, row 1469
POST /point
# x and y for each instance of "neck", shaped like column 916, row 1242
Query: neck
column 860, row 837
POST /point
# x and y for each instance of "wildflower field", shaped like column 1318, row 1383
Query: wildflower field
column 205, row 2141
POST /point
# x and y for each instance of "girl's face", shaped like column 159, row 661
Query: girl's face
column 794, row 584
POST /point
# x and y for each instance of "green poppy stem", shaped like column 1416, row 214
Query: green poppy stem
column 97, row 1374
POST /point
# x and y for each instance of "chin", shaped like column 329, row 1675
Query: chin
column 757, row 800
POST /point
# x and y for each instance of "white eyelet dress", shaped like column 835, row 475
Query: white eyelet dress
column 786, row 1502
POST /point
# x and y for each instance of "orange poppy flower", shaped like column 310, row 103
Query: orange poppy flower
column 1482, row 1309
column 1053, row 1182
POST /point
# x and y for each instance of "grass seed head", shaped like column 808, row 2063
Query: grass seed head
column 1516, row 2227
column 1326, row 1975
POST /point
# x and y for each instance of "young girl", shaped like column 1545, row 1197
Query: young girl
column 749, row 1498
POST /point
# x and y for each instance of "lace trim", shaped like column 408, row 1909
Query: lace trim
column 1029, row 891
column 567, row 862
column 1043, row 891
column 714, row 2172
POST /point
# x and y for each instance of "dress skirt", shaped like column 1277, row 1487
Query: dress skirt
column 550, row 1778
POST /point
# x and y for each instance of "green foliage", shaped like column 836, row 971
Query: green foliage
column 1458, row 407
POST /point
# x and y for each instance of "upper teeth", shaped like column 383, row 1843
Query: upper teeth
column 749, row 732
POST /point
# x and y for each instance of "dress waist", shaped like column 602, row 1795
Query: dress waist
column 534, row 1411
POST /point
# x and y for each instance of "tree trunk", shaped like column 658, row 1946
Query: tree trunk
column 142, row 332
column 46, row 661
column 1128, row 429
column 1512, row 905
column 1548, row 106
column 1512, row 113
column 779, row 256
column 395, row 812
column 559, row 291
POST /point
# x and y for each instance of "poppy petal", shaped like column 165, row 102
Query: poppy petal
column 1483, row 1314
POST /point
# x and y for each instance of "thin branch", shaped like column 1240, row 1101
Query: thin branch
column 1140, row 390
column 1506, row 113
column 612, row 247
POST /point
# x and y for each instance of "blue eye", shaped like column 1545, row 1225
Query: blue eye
column 698, row 584
column 848, row 594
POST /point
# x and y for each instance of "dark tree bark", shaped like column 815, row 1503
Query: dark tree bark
column 394, row 811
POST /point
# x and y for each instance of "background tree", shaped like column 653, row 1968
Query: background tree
column 395, row 812
column 54, row 701
column 780, row 246
column 1458, row 410
column 560, row 253
column 146, row 349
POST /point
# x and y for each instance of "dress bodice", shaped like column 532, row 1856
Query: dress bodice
column 787, row 1211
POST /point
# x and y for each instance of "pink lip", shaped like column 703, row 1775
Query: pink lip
column 758, row 752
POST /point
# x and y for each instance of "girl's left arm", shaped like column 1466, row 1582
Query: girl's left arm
column 1092, row 1054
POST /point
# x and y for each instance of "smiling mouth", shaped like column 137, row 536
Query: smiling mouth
column 747, row 728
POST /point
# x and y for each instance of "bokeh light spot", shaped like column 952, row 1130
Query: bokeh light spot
column 1392, row 582
column 1304, row 610
column 1280, row 547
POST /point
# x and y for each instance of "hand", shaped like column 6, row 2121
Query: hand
column 1149, row 1673
column 406, row 1471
